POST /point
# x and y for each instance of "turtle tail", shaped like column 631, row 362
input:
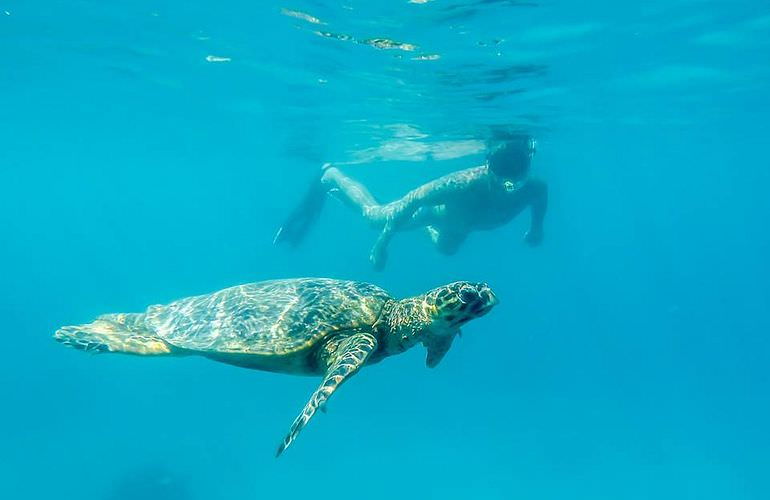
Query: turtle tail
column 125, row 333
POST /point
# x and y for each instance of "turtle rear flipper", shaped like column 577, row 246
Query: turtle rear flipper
column 113, row 333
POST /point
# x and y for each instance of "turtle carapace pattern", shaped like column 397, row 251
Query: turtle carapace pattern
column 306, row 326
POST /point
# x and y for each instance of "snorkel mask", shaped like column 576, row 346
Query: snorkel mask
column 511, row 160
column 531, row 147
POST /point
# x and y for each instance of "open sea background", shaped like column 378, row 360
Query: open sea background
column 149, row 150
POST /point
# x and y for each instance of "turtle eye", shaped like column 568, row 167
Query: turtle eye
column 468, row 295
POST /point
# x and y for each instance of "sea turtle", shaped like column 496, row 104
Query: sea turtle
column 306, row 326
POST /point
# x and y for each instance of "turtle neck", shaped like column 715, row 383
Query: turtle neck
column 403, row 322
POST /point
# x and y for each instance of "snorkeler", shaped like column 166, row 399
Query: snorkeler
column 449, row 208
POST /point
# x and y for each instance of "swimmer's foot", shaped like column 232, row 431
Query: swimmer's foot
column 305, row 214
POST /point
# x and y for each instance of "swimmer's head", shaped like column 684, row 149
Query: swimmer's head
column 512, row 158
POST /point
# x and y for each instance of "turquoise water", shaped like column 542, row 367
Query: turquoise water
column 149, row 150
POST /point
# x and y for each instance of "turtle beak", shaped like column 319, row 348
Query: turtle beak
column 488, row 298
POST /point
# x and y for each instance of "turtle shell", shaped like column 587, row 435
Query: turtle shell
column 269, row 318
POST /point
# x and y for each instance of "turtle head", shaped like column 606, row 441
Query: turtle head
column 457, row 303
column 435, row 318
column 453, row 305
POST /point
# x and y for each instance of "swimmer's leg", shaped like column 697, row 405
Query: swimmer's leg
column 333, row 182
column 304, row 215
column 423, row 217
column 353, row 194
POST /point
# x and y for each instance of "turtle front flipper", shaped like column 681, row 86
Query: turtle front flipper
column 349, row 356
column 437, row 346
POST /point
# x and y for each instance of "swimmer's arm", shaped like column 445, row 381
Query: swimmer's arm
column 437, row 192
column 536, row 192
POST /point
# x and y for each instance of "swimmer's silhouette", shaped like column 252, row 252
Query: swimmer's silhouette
column 450, row 207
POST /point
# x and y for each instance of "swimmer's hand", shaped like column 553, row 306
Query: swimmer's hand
column 533, row 237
